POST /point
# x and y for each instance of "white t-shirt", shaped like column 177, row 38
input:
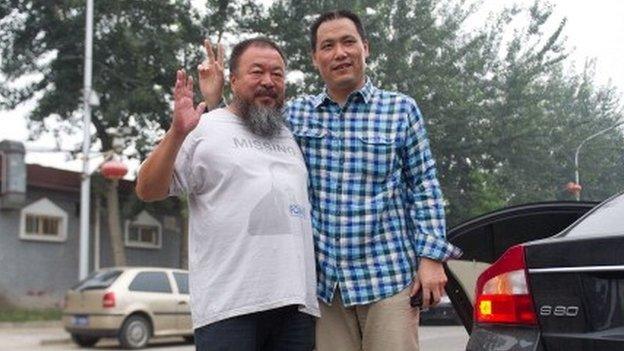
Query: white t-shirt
column 250, row 236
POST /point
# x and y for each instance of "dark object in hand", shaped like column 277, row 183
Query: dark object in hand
column 417, row 300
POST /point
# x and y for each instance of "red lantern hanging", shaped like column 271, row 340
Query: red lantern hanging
column 574, row 188
column 113, row 169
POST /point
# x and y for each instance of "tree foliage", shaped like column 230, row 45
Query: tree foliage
column 137, row 47
column 503, row 115
column 503, row 112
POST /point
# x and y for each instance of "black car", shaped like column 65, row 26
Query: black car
column 441, row 314
column 536, row 277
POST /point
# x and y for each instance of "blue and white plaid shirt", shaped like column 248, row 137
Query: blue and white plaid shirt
column 376, row 201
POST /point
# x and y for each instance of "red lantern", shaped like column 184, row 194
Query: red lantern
column 113, row 169
column 574, row 188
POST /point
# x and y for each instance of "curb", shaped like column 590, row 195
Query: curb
column 48, row 342
column 36, row 324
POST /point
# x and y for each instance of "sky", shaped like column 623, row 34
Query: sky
column 594, row 30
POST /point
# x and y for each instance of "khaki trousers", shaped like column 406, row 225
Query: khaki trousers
column 390, row 324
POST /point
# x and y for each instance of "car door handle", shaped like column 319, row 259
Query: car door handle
column 182, row 303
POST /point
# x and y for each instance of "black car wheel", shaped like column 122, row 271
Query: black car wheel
column 135, row 332
column 84, row 340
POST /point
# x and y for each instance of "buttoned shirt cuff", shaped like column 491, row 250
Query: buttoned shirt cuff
column 438, row 249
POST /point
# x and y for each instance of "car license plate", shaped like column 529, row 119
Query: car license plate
column 80, row 321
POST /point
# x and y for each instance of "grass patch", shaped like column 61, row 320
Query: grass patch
column 16, row 315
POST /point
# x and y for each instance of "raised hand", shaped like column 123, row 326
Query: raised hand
column 185, row 117
column 211, row 78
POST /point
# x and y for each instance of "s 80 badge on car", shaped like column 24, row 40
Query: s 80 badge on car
column 559, row 311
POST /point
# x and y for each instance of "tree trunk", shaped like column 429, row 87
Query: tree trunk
column 114, row 223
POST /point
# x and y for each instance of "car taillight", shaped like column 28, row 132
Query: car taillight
column 108, row 300
column 503, row 291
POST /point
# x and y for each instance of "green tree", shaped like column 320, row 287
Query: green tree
column 138, row 46
column 503, row 116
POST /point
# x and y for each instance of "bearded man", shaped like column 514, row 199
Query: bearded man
column 251, row 252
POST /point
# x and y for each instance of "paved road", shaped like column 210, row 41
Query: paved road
column 442, row 338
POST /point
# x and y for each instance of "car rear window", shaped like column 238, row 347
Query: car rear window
column 605, row 220
column 182, row 281
column 151, row 282
column 98, row 280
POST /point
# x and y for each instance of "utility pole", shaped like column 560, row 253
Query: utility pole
column 85, row 189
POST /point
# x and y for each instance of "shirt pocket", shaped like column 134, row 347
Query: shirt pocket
column 313, row 142
column 310, row 138
column 376, row 154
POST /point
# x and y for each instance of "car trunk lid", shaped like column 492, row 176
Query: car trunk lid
column 84, row 301
column 486, row 238
column 578, row 289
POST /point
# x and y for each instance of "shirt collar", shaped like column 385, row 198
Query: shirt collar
column 366, row 93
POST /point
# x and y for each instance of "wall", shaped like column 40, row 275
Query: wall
column 167, row 256
column 36, row 274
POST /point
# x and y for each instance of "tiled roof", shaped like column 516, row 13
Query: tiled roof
column 59, row 179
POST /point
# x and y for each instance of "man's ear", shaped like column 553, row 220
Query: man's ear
column 314, row 63
column 366, row 49
column 232, row 81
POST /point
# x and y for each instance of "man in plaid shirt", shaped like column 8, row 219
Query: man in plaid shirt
column 377, row 208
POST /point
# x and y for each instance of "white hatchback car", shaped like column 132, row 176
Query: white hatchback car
column 132, row 304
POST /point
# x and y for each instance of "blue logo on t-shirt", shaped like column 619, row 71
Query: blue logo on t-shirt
column 296, row 210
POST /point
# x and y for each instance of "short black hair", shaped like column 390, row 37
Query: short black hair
column 241, row 47
column 334, row 15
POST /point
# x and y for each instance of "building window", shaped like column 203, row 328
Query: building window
column 43, row 225
column 43, row 221
column 144, row 232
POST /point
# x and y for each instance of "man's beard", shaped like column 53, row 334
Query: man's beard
column 264, row 121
